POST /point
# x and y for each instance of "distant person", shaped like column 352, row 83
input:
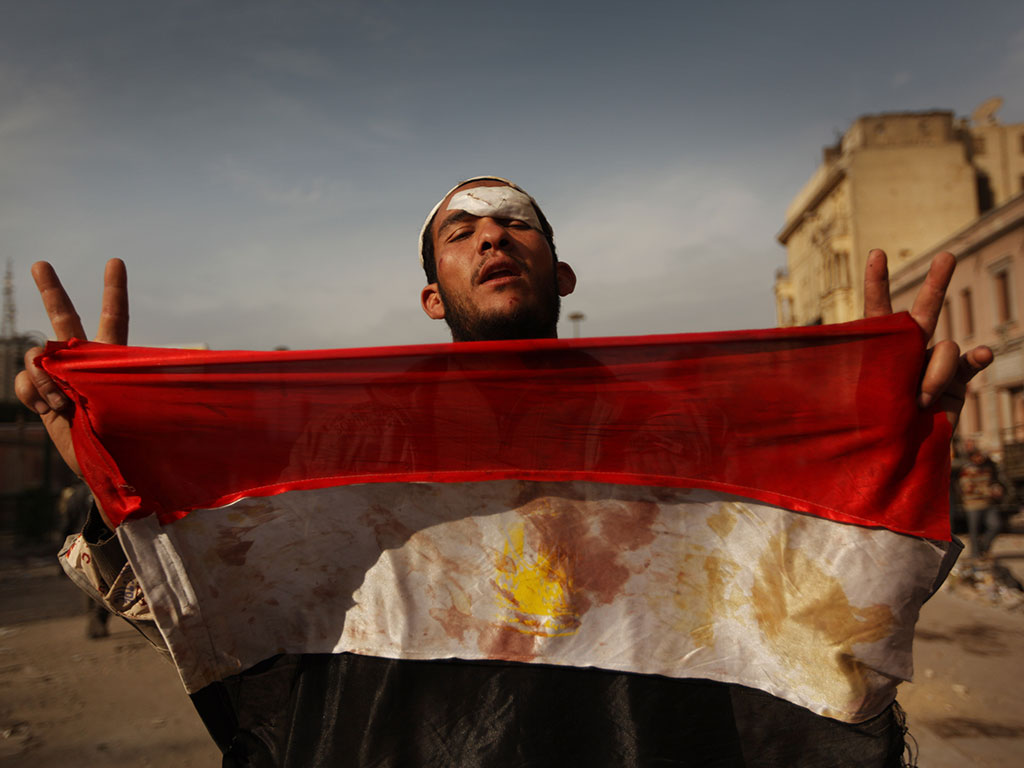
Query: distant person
column 958, row 458
column 982, row 495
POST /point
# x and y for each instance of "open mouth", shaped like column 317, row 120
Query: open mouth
column 499, row 270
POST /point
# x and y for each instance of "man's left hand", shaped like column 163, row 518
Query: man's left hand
column 946, row 372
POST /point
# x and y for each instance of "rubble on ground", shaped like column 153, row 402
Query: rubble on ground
column 987, row 581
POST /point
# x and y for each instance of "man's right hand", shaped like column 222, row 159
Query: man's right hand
column 33, row 386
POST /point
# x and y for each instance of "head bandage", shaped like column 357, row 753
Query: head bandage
column 496, row 202
column 507, row 202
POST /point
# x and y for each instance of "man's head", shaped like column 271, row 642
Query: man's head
column 489, row 256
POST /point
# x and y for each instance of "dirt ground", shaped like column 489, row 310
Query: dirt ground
column 966, row 704
column 68, row 700
column 65, row 699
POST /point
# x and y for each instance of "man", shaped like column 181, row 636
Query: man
column 982, row 494
column 496, row 253
column 492, row 272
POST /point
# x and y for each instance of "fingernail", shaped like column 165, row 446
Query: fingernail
column 925, row 399
column 56, row 400
column 41, row 408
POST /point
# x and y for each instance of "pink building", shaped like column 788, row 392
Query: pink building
column 984, row 305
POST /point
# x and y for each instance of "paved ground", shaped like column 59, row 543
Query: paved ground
column 66, row 700
column 114, row 702
column 966, row 704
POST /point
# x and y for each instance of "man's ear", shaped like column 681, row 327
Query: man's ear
column 430, row 300
column 566, row 278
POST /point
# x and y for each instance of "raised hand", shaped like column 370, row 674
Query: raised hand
column 947, row 371
column 33, row 386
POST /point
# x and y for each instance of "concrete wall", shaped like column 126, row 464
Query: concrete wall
column 905, row 199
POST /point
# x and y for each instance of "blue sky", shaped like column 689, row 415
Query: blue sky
column 264, row 168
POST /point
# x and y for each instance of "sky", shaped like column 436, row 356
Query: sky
column 264, row 168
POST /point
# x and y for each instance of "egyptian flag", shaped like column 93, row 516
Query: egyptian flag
column 763, row 508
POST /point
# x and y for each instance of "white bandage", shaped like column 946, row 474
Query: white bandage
column 506, row 202
column 498, row 203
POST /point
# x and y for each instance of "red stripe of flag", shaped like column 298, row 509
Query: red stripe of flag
column 819, row 420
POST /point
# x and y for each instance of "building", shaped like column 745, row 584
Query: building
column 901, row 182
column 997, row 152
column 984, row 305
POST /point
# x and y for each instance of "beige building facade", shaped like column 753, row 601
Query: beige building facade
column 997, row 151
column 984, row 305
column 901, row 182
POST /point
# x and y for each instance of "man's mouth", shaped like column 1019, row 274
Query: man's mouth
column 499, row 269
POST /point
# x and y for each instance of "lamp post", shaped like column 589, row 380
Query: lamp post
column 576, row 318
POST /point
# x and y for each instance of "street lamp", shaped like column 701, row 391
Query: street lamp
column 576, row 318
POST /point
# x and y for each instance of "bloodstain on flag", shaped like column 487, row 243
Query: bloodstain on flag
column 232, row 548
column 753, row 507
column 508, row 643
column 456, row 618
column 723, row 521
column 598, row 571
column 631, row 527
column 718, row 573
column 798, row 605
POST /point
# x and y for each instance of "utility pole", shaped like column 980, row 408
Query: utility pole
column 576, row 318
column 9, row 328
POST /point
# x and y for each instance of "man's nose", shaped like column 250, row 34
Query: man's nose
column 492, row 234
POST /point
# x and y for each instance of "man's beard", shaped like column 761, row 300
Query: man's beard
column 536, row 321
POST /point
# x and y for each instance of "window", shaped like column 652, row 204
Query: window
column 975, row 411
column 947, row 319
column 839, row 272
column 1004, row 308
column 986, row 198
column 978, row 143
column 1016, row 413
column 968, row 311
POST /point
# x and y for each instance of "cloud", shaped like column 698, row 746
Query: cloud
column 295, row 62
column 678, row 249
column 1014, row 60
column 34, row 113
column 391, row 131
column 313, row 193
column 21, row 117
column 901, row 79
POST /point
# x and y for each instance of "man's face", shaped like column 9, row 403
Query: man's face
column 496, row 275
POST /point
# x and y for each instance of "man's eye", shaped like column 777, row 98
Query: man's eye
column 459, row 234
column 517, row 224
